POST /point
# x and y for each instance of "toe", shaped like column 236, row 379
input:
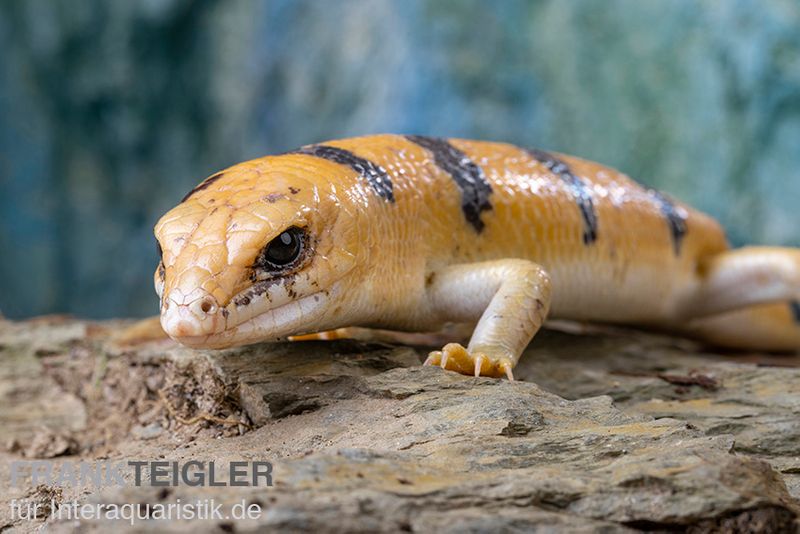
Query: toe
column 454, row 357
column 505, row 366
column 433, row 358
column 479, row 364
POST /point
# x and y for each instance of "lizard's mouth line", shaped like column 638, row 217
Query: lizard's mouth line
column 275, row 324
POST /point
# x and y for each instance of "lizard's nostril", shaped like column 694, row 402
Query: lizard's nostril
column 207, row 306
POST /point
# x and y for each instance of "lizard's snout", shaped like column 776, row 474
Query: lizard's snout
column 195, row 314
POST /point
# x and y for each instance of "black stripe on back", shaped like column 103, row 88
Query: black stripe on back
column 469, row 177
column 202, row 185
column 580, row 191
column 373, row 173
column 675, row 219
column 795, row 307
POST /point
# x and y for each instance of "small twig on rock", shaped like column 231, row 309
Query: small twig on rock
column 692, row 379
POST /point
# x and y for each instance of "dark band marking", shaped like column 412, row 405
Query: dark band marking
column 469, row 177
column 580, row 190
column 202, row 185
column 795, row 307
column 675, row 219
column 377, row 177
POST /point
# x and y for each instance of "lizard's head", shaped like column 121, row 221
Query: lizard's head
column 257, row 252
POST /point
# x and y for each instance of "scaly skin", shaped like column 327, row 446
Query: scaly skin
column 409, row 233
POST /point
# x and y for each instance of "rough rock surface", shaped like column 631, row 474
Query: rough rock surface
column 624, row 431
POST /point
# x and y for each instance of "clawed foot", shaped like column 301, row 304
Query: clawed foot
column 455, row 357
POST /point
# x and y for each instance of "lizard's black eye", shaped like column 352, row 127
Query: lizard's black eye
column 282, row 251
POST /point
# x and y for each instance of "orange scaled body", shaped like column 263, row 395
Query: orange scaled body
column 410, row 233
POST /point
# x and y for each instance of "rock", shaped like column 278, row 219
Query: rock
column 50, row 443
column 622, row 431
column 32, row 399
column 303, row 377
column 150, row 431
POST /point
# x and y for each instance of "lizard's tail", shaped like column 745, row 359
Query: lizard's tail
column 768, row 327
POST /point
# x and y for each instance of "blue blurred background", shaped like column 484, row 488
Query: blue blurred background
column 112, row 109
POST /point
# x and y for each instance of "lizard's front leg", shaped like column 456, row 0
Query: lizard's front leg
column 509, row 299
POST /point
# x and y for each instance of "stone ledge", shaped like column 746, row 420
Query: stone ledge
column 624, row 430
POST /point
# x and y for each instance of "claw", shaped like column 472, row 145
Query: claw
column 479, row 364
column 443, row 363
column 506, row 366
column 432, row 357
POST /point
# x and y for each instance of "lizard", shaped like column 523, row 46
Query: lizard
column 411, row 233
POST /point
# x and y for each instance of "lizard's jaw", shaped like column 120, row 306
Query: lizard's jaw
column 298, row 316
